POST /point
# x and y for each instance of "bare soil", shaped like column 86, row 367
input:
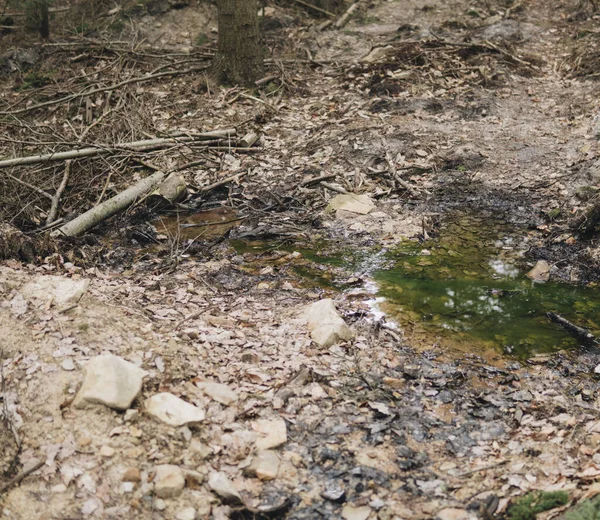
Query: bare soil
column 487, row 106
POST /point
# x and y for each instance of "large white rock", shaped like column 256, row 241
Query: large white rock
column 360, row 204
column 172, row 410
column 272, row 433
column 326, row 326
column 222, row 486
column 169, row 481
column 219, row 392
column 111, row 381
column 61, row 291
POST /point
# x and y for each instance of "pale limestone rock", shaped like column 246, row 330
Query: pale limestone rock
column 377, row 54
column 273, row 433
column 453, row 513
column 540, row 272
column 222, row 486
column 111, row 381
column 326, row 326
column 360, row 204
column 189, row 513
column 107, row 451
column 349, row 512
column 265, row 465
column 62, row 291
column 219, row 392
column 172, row 410
column 169, row 481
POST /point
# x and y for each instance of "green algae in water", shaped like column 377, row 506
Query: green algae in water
column 467, row 289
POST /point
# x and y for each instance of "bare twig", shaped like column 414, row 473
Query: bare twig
column 218, row 184
column 30, row 186
column 315, row 8
column 56, row 199
column 317, row 180
column 17, row 478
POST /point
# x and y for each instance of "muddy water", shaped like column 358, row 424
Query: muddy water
column 465, row 289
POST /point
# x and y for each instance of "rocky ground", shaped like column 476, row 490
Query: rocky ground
column 175, row 382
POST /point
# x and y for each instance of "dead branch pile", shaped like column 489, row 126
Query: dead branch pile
column 443, row 66
column 73, row 139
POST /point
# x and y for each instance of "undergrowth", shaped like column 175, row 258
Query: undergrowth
column 528, row 506
column 586, row 510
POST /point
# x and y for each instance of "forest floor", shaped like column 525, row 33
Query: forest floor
column 479, row 106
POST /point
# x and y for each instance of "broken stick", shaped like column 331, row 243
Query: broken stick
column 583, row 335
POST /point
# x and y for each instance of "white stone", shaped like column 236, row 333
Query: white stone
column 273, row 433
column 265, row 465
column 219, row 392
column 222, row 486
column 540, row 272
column 189, row 513
column 160, row 504
column 59, row 488
column 453, row 513
column 326, row 326
column 169, row 481
column 107, row 451
column 350, row 512
column 68, row 364
column 360, row 204
column 172, row 410
column 62, row 291
column 111, row 381
column 377, row 54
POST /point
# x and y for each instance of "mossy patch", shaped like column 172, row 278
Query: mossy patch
column 528, row 506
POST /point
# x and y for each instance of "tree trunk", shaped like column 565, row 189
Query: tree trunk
column 37, row 17
column 239, row 59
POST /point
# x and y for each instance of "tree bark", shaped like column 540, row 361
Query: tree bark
column 239, row 59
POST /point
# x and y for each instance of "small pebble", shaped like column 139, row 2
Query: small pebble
column 107, row 451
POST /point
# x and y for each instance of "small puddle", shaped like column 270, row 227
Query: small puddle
column 462, row 290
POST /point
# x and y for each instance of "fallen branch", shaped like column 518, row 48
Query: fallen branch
column 17, row 478
column 394, row 171
column 137, row 146
column 343, row 20
column 317, row 180
column 218, row 184
column 92, row 92
column 107, row 209
column 583, row 335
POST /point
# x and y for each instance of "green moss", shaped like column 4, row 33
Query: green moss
column 33, row 80
column 202, row 39
column 586, row 510
column 527, row 507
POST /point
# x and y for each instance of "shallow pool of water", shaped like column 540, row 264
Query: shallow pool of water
column 464, row 288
